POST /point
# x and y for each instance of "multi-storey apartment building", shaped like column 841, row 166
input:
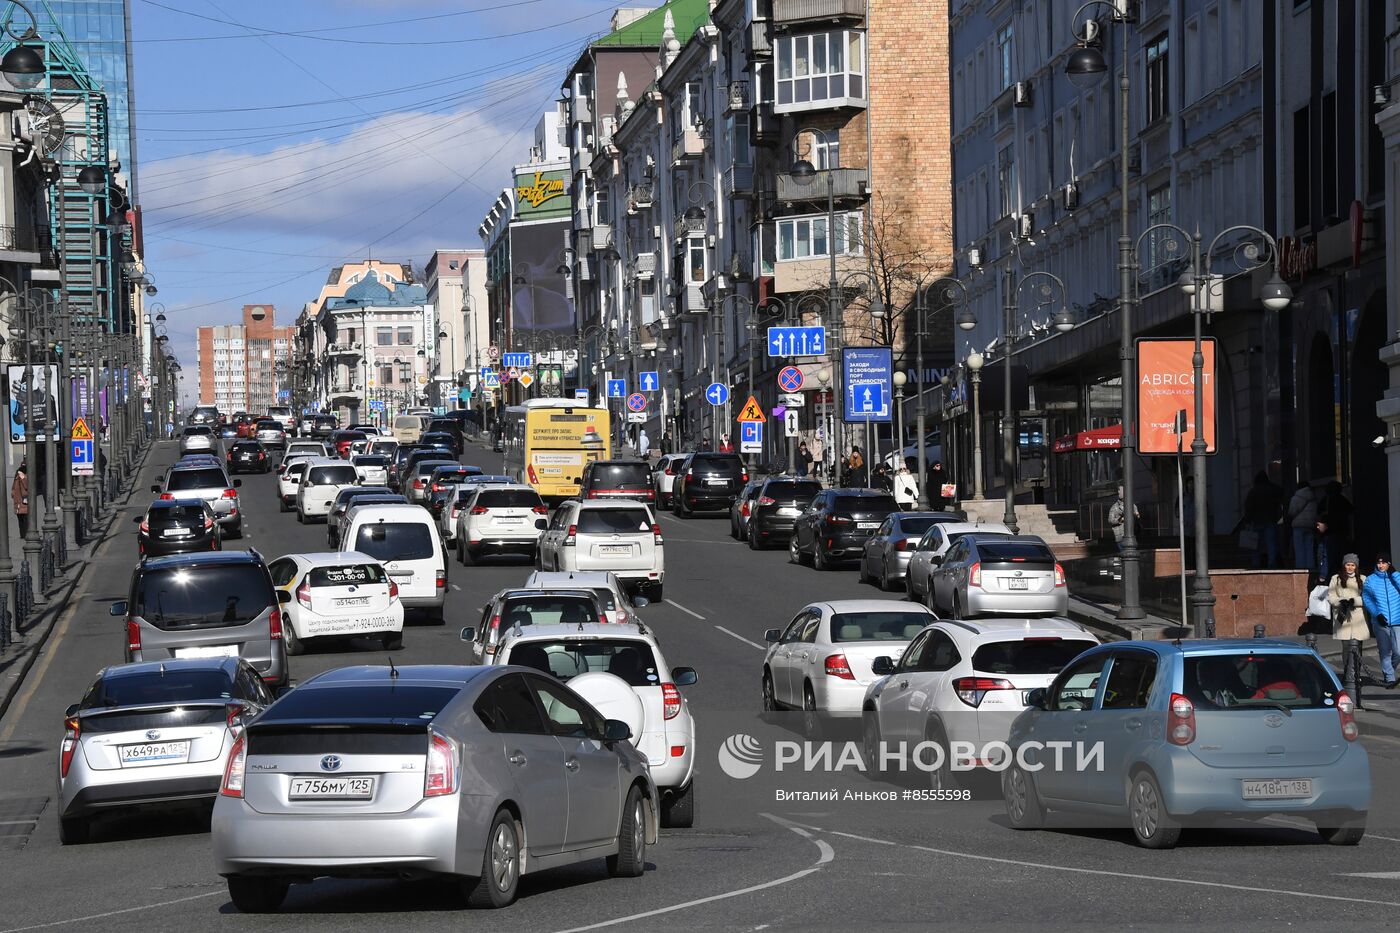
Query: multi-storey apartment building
column 446, row 277
column 243, row 367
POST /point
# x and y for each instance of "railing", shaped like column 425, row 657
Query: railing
column 26, row 239
column 846, row 183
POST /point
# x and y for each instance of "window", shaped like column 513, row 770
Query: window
column 695, row 260
column 942, row 654
column 1130, row 681
column 1158, row 88
column 507, row 706
column 405, row 373
column 565, row 714
column 826, row 150
column 694, row 108
column 384, row 336
column 1159, row 211
column 388, row 541
column 1076, row 687
column 806, row 237
column 1006, row 55
column 386, row 374
column 815, row 71
column 1006, row 180
column 405, row 336
column 602, row 201
column 1302, row 168
column 740, row 141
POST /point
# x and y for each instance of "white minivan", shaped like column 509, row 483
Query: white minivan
column 320, row 484
column 404, row 538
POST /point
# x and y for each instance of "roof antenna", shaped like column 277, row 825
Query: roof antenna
column 393, row 671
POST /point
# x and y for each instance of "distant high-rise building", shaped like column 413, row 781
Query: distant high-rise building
column 238, row 362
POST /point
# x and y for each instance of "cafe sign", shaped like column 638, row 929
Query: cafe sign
column 534, row 190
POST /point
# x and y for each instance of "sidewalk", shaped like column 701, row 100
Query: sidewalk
column 31, row 637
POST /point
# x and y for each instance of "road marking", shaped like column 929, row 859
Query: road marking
column 1103, row 872
column 19, row 822
column 741, row 638
column 1385, row 875
column 456, row 588
column 1297, row 823
column 827, row 856
column 685, row 610
column 112, row 913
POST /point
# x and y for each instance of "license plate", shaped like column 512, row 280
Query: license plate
column 1018, row 584
column 716, row 482
column 1281, row 789
column 174, row 532
column 867, row 526
column 788, row 512
column 336, row 788
column 352, row 601
column 615, row 550
column 402, row 576
column 208, row 651
column 155, row 753
column 509, row 521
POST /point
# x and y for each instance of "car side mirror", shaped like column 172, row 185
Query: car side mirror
column 1036, row 698
column 882, row 665
column 684, row 676
column 935, row 559
column 155, row 487
column 468, row 633
column 71, row 711
column 238, row 484
column 640, row 602
column 117, row 608
column 615, row 730
column 283, row 596
column 772, row 635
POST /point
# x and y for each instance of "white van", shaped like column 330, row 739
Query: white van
column 404, row 538
column 408, row 428
column 320, row 484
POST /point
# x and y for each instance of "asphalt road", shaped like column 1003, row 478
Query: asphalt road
column 751, row 862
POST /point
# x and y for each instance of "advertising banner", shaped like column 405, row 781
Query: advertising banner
column 539, row 301
column 1166, row 385
column 33, row 402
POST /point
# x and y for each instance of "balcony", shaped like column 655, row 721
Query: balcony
column 580, row 109
column 760, row 40
column 644, row 266
column 691, row 145
column 341, row 349
column 737, row 99
column 691, row 299
column 639, row 197
column 737, row 181
column 28, row 241
column 846, row 184
column 345, row 388
column 688, row 227
column 801, row 275
column 802, row 12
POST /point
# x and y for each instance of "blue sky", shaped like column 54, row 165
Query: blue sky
column 387, row 126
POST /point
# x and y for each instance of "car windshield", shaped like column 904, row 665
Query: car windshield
column 877, row 625
column 390, row 541
column 164, row 686
column 630, row 659
column 196, row 479
column 1244, row 680
column 361, row 702
column 613, row 521
column 200, row 597
column 548, row 610
column 1028, row 655
column 346, row 575
column 338, row 475
column 621, row 476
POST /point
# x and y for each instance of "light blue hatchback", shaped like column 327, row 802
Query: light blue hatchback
column 1191, row 733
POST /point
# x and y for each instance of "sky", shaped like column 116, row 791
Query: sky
column 278, row 139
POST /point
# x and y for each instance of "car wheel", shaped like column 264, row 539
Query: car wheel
column 955, row 610
column 466, row 554
column 1023, row 806
column 870, row 742
column 942, row 777
column 301, row 517
column 1346, row 833
column 734, row 530
column 392, row 641
column 237, row 531
column 752, row 541
column 74, row 830
column 631, row 857
column 863, row 576
column 257, row 895
column 909, row 587
column 883, row 581
column 770, row 699
column 795, row 553
column 654, row 593
column 500, row 865
column 1153, row 826
column 295, row 645
column 819, row 559
column 678, row 810
column 811, row 718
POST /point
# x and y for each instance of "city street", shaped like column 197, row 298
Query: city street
column 750, row 862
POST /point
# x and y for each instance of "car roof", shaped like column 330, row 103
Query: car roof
column 1019, row 539
column 565, row 579
column 445, row 675
column 170, row 665
column 532, row 592
column 1199, row 647
column 332, row 558
column 189, row 467
column 327, row 461
column 393, row 510
column 869, row 605
column 203, row 559
column 172, row 503
column 554, row 630
column 594, row 504
column 963, row 528
column 863, row 493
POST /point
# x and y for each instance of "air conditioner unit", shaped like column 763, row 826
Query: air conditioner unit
column 646, row 265
column 1025, row 225
column 1021, row 94
column 1071, row 196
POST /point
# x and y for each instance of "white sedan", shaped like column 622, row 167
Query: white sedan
column 337, row 594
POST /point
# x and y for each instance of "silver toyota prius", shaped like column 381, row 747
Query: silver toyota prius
column 481, row 774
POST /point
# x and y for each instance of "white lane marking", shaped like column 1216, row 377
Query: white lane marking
column 741, row 638
column 1385, row 875
column 828, row 854
column 456, row 588
column 113, row 913
column 685, row 610
column 19, row 822
column 1103, row 872
column 1298, row 823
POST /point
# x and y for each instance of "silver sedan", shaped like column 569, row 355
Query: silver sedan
column 886, row 555
column 472, row 773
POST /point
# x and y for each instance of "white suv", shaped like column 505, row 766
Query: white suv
column 617, row 606
column 965, row 682
column 496, row 519
column 620, row 670
column 597, row 534
column 320, row 484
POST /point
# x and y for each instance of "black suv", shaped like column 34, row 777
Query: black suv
column 323, row 426
column 248, row 457
column 617, row 479
column 836, row 523
column 774, row 507
column 176, row 526
column 707, row 481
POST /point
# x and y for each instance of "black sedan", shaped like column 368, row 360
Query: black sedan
column 177, row 526
column 444, row 440
column 248, row 457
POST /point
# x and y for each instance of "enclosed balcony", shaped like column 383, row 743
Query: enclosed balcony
column 810, row 12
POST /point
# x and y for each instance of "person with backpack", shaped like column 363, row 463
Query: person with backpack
column 1381, row 598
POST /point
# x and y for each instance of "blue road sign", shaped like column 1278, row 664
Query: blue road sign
column 617, row 388
column 492, row 379
column 636, row 402
column 376, row 405
column 284, row 394
column 865, row 375
column 581, row 394
column 648, row 382
column 797, row 341
column 81, row 458
column 486, row 371
column 517, row 360
column 790, row 379
column 750, row 436
column 717, row 393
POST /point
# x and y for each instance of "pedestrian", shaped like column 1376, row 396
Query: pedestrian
column 1344, row 595
column 1262, row 509
column 804, row 460
column 858, row 471
column 1117, row 514
column 726, row 446
column 1336, row 510
column 705, row 442
column 906, row 491
column 19, row 495
column 1302, row 520
column 643, row 443
column 1319, row 615
column 1381, row 598
column 1319, row 558
column 935, row 485
column 668, row 445
column 818, row 453
column 881, row 478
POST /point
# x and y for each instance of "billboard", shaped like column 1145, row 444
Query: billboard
column 1166, row 384
column 541, row 194
column 33, row 401
column 540, row 302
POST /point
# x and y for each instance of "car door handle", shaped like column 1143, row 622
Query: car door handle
column 571, row 764
column 903, row 684
column 517, row 759
column 1133, row 724
column 1081, row 727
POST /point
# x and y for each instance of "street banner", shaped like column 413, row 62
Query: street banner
column 33, row 402
column 1165, row 386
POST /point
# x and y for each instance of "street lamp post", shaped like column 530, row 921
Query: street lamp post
column 899, row 379
column 974, row 366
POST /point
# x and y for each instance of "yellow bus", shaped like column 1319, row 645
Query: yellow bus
column 547, row 441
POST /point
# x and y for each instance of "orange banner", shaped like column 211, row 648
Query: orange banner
column 1165, row 386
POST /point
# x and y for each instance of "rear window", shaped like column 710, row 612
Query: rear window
column 631, row 660
column 370, row 460
column 1012, row 551
column 196, row 479
column 338, row 475
column 269, row 425
column 197, row 429
column 916, row 526
column 508, row 498
column 324, row 421
column 426, row 467
column 388, row 541
column 717, row 463
column 449, row 476
column 173, row 598
column 613, row 521
column 548, row 610
column 877, row 626
column 178, row 515
column 361, row 702
column 792, row 492
column 621, row 476
column 408, row 421
column 172, row 686
column 296, row 469
column 1252, row 681
column 865, row 504
column 1028, row 655
column 246, row 445
column 347, row 575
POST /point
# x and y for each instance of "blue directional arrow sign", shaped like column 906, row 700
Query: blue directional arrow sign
column 866, row 374
column 517, row 360
column 717, row 393
column 648, row 382
column 797, row 341
column 486, row 371
column 617, row 388
column 867, row 399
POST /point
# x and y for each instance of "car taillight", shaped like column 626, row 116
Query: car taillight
column 767, row 500
column 274, row 625
column 478, row 510
column 670, row 700
column 902, row 544
column 744, row 510
column 440, row 579
column 72, row 729
column 233, row 773
column 304, row 594
column 393, row 590
column 262, row 455
column 167, row 497
column 232, row 711
column 1181, row 721
column 1346, row 709
column 442, row 767
column 208, row 523
column 689, row 474
column 230, row 494
column 540, row 509
column 974, row 574
column 670, row 472
column 838, row 520
column 133, row 635
column 656, row 534
column 1059, row 575
column 145, row 526
column 438, row 487
column 971, row 690
column 569, row 539
column 838, row 666
column 419, row 484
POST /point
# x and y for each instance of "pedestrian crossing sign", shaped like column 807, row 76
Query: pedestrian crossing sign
column 752, row 411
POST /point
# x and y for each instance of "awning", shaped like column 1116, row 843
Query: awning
column 1109, row 438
